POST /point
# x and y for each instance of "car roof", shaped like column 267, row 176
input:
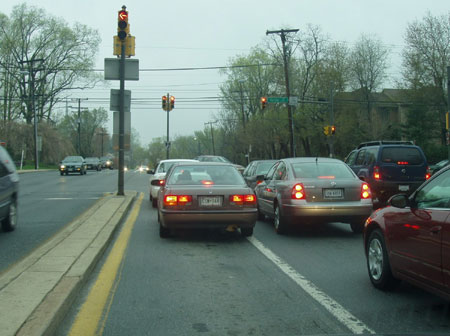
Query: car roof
column 311, row 159
column 205, row 163
column 177, row 160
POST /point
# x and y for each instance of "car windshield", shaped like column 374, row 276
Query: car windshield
column 321, row 170
column 205, row 175
column 411, row 155
column 263, row 167
column 72, row 159
column 91, row 160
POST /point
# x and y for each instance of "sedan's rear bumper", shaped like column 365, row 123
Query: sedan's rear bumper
column 211, row 219
column 327, row 212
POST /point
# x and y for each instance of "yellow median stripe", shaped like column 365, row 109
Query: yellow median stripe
column 87, row 320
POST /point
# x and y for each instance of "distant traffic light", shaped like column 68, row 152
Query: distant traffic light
column 326, row 130
column 333, row 129
column 123, row 28
column 263, row 102
column 164, row 103
column 172, row 103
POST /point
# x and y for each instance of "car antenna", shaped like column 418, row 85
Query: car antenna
column 317, row 158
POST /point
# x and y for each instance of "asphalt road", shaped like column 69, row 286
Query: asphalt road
column 312, row 281
column 48, row 201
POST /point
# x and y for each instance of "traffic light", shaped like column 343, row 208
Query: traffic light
column 172, row 103
column 333, row 129
column 164, row 103
column 123, row 28
column 326, row 130
column 263, row 102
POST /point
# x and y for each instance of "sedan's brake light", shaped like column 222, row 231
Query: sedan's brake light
column 298, row 191
column 365, row 191
column 376, row 173
column 402, row 162
column 161, row 182
column 428, row 173
column 172, row 200
column 243, row 199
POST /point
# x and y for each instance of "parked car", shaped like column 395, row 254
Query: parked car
column 9, row 189
column 389, row 167
column 159, row 174
column 107, row 162
column 205, row 195
column 410, row 239
column 255, row 168
column 93, row 163
column 217, row 158
column 438, row 166
column 73, row 164
column 308, row 190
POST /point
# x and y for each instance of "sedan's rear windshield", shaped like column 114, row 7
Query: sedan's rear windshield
column 263, row 167
column 73, row 159
column 205, row 175
column 405, row 155
column 321, row 170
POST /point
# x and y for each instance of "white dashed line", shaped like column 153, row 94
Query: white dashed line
column 343, row 316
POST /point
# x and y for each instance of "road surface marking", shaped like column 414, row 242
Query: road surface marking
column 88, row 319
column 343, row 316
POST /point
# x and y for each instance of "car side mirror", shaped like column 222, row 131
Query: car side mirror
column 151, row 171
column 399, row 201
column 260, row 177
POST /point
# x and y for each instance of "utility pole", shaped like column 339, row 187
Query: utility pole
column 332, row 119
column 242, row 103
column 79, row 123
column 31, row 74
column 282, row 34
column 212, row 135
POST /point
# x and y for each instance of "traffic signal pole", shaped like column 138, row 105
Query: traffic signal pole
column 120, row 188
column 167, row 141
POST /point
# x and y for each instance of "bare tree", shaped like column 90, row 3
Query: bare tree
column 369, row 62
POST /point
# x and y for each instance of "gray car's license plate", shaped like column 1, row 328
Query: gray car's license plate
column 209, row 201
column 333, row 193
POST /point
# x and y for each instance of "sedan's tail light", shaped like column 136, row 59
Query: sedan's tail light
column 376, row 173
column 243, row 199
column 298, row 191
column 172, row 200
column 428, row 173
column 365, row 191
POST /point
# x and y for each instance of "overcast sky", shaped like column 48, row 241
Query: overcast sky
column 199, row 33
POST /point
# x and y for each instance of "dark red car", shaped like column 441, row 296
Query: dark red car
column 410, row 238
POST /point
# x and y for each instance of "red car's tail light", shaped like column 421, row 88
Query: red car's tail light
column 258, row 182
column 402, row 162
column 298, row 191
column 365, row 191
column 162, row 182
column 171, row 200
column 376, row 173
column 243, row 199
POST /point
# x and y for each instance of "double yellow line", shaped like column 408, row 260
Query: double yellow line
column 92, row 317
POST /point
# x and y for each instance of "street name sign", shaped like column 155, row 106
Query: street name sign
column 277, row 99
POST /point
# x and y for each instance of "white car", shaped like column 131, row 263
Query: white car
column 160, row 174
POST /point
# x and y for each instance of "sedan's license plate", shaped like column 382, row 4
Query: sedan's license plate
column 333, row 193
column 210, row 201
column 403, row 187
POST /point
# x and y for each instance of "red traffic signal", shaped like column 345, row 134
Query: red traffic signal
column 122, row 27
column 263, row 102
column 172, row 102
column 333, row 129
column 164, row 103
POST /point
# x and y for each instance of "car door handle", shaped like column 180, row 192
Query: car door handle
column 436, row 229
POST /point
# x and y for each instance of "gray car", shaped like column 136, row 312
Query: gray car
column 309, row 190
column 9, row 188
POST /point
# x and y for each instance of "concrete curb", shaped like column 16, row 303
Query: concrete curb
column 37, row 292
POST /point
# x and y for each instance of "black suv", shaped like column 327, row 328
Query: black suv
column 390, row 167
column 9, row 188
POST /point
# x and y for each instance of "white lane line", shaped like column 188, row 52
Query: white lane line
column 343, row 316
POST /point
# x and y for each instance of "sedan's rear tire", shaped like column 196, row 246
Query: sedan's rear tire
column 10, row 222
column 247, row 232
column 154, row 202
column 261, row 216
column 163, row 232
column 62, row 173
column 279, row 221
column 380, row 273
column 357, row 227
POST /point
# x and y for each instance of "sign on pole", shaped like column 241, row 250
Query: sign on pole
column 114, row 100
column 277, row 99
column 112, row 66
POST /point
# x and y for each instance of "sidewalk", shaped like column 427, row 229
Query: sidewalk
column 36, row 293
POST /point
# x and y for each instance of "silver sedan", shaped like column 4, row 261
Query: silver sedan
column 309, row 190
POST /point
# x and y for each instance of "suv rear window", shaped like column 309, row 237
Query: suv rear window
column 408, row 155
